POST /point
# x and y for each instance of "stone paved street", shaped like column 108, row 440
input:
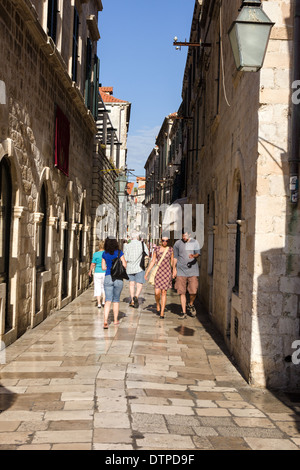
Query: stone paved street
column 146, row 384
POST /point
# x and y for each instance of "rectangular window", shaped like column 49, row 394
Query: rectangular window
column 75, row 45
column 52, row 19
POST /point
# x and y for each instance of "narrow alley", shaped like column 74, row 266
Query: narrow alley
column 146, row 384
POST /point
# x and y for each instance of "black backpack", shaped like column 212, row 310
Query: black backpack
column 117, row 269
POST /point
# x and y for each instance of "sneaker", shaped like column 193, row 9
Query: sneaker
column 99, row 305
column 182, row 316
column 192, row 310
column 135, row 302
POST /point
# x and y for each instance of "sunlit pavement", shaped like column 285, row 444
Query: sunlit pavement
column 146, row 384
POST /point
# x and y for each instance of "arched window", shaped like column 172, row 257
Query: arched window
column 81, row 233
column 5, row 230
column 41, row 232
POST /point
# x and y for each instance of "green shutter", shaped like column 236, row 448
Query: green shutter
column 88, row 74
column 96, row 87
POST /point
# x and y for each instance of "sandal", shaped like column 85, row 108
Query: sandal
column 161, row 317
column 105, row 326
column 116, row 322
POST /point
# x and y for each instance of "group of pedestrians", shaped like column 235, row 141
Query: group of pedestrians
column 179, row 263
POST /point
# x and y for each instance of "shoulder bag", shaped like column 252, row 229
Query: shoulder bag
column 144, row 254
column 117, row 269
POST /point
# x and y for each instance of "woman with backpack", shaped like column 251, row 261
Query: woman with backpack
column 113, row 288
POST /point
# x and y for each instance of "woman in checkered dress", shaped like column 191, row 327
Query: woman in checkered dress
column 163, row 278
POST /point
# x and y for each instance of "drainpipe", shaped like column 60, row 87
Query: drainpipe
column 294, row 158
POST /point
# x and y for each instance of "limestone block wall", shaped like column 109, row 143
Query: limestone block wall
column 103, row 191
column 276, row 282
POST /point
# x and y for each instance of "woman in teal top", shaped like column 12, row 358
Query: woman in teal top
column 99, row 274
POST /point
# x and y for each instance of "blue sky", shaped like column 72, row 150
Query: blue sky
column 138, row 59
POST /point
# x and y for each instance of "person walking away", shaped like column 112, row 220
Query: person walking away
column 99, row 274
column 112, row 288
column 186, row 252
column 163, row 278
column 133, row 253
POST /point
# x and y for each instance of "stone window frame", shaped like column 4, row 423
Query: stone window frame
column 69, row 227
column 82, row 242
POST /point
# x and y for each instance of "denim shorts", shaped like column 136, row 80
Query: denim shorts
column 138, row 277
column 112, row 289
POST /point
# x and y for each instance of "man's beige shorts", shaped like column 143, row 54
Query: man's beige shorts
column 182, row 282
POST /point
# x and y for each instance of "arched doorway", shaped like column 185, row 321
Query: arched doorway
column 5, row 234
column 41, row 233
column 65, row 263
column 81, row 247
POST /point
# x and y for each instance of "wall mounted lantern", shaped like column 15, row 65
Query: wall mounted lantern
column 249, row 36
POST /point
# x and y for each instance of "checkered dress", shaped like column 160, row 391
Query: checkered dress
column 163, row 278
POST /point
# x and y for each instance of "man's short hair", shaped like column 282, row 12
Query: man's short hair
column 134, row 235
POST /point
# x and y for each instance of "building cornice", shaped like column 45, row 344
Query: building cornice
column 98, row 2
column 93, row 27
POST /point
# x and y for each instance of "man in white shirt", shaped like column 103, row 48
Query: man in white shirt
column 133, row 253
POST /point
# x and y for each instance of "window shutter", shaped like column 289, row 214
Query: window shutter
column 88, row 74
column 96, row 87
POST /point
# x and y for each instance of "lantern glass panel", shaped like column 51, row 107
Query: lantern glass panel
column 253, row 39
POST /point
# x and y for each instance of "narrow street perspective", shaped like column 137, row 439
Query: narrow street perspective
column 149, row 226
column 147, row 384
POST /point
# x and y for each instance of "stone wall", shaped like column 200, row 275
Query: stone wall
column 244, row 139
column 276, row 283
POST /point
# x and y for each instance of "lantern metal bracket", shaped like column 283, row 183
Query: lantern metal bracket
column 180, row 44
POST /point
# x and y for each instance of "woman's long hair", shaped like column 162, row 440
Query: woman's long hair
column 111, row 245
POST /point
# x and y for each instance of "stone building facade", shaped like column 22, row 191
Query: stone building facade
column 49, row 184
column 115, row 123
column 239, row 144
